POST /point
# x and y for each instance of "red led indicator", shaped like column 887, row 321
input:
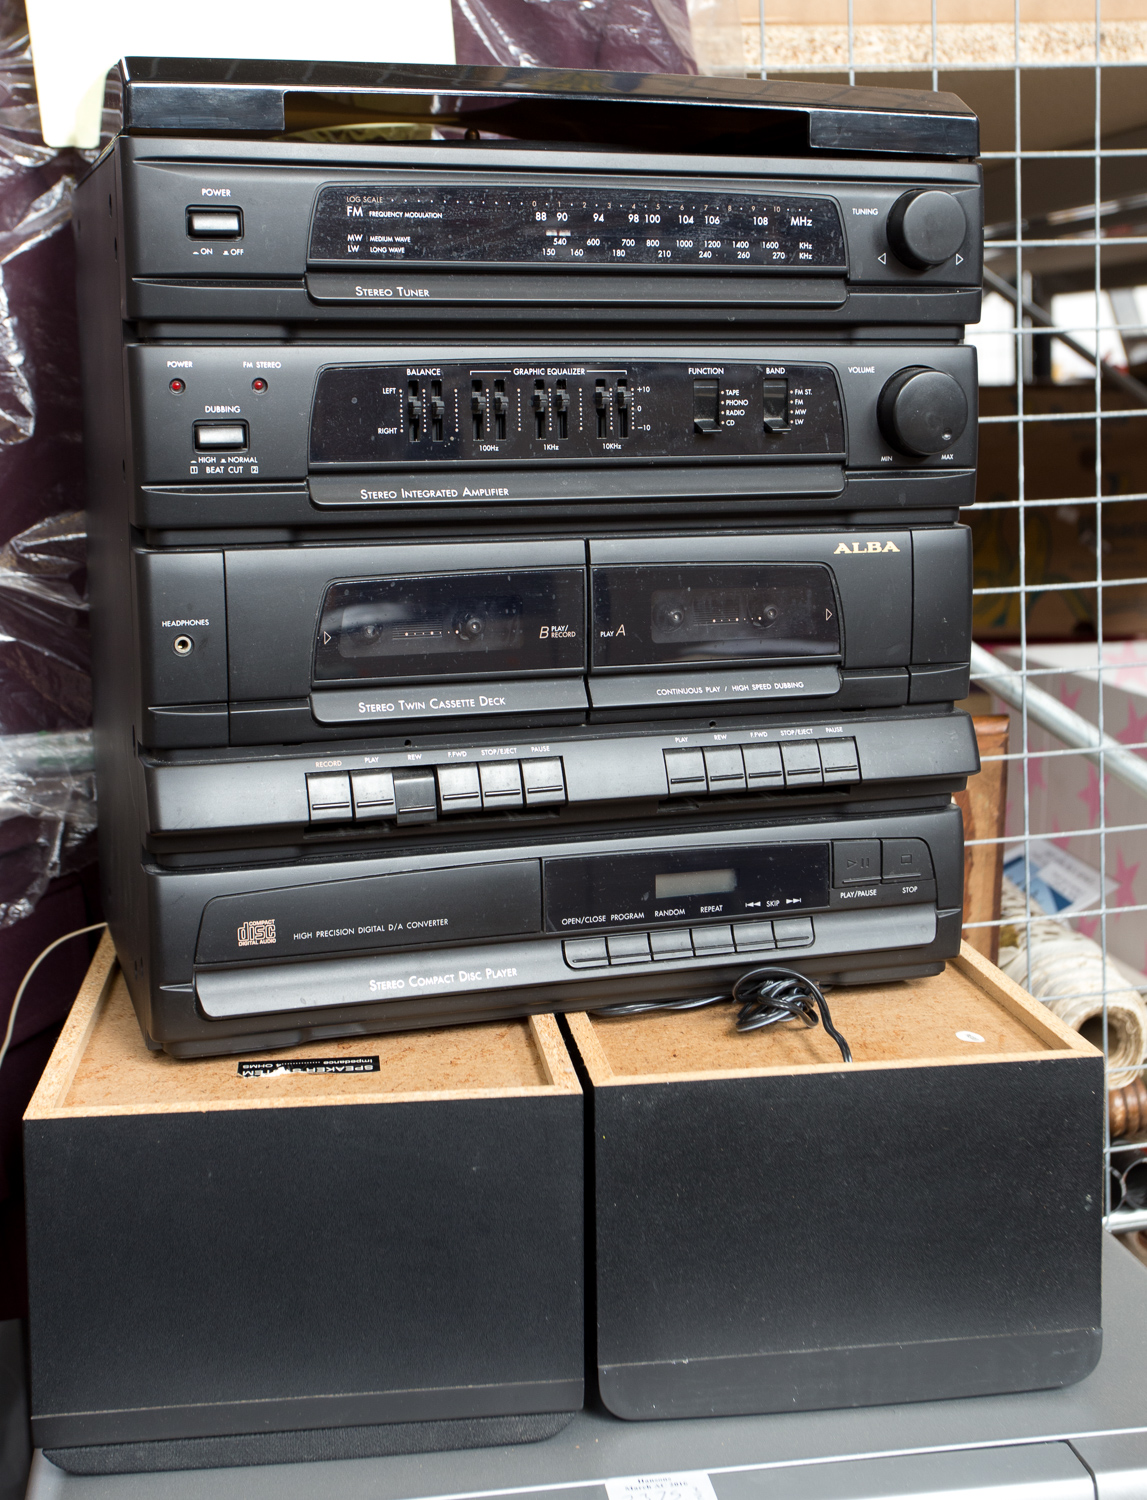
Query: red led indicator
column 259, row 384
column 177, row 385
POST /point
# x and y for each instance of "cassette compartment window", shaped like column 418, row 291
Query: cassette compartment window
column 530, row 621
column 668, row 615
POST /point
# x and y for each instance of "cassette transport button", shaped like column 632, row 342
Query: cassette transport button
column 373, row 794
column 459, row 789
column 802, row 763
column 543, row 781
column 686, row 771
column 328, row 797
column 501, row 784
column 415, row 799
column 725, row 769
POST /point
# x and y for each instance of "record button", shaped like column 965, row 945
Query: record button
column 628, row 948
column 328, row 797
column 414, row 796
column 725, row 770
column 708, row 940
column 763, row 766
column 373, row 794
column 752, row 936
column 673, row 942
column 793, row 932
column 855, row 861
column 458, row 789
column 585, row 953
column 501, row 784
column 685, row 770
column 542, row 781
column 802, row 763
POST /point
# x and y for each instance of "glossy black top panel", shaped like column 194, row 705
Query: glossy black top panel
column 187, row 96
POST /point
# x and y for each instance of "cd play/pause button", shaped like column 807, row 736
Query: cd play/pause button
column 855, row 860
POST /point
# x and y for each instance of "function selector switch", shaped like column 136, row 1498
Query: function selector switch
column 926, row 228
column 921, row 411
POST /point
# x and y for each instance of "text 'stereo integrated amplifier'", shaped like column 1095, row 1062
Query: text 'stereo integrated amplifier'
column 260, row 434
column 525, row 570
column 273, row 955
column 820, row 207
column 266, row 645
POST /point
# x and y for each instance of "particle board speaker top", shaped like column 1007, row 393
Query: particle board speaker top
column 915, row 1023
column 101, row 1066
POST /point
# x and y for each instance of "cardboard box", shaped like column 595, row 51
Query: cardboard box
column 231, row 1262
column 777, row 1231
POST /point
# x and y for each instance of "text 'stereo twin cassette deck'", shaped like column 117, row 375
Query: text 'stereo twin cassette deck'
column 525, row 560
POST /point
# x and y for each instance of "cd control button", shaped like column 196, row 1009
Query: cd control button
column 458, row 789
column 328, row 797
column 501, row 784
column 685, row 770
column 373, row 794
column 585, row 953
column 543, row 781
column 414, row 796
column 750, row 937
column 906, row 859
column 838, row 757
column 210, row 436
column 671, row 942
column 793, row 932
column 725, row 770
column 855, row 860
column 802, row 763
column 628, row 948
column 708, row 940
column 763, row 766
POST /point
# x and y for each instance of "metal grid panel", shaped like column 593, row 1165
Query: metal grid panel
column 1065, row 217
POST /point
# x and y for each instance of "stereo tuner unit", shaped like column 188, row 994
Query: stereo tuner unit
column 797, row 203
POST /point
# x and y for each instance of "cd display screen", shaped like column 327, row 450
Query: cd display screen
column 585, row 893
column 465, row 624
column 574, row 225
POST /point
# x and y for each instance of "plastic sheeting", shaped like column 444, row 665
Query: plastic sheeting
column 47, row 790
column 47, row 815
column 632, row 36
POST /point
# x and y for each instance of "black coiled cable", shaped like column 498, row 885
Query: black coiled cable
column 766, row 996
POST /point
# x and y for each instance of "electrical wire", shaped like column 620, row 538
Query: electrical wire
column 766, row 996
column 35, row 964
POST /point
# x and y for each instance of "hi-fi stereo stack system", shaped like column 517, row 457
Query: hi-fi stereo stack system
column 525, row 561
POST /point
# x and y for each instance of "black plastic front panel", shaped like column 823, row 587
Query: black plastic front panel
column 331, row 409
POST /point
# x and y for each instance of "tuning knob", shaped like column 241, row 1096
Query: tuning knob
column 926, row 228
column 922, row 411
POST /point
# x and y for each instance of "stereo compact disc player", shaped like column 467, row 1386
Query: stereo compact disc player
column 305, row 434
column 233, row 958
column 270, row 645
column 796, row 203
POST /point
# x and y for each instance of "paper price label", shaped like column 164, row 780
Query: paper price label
column 689, row 1486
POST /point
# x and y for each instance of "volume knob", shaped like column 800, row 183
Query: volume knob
column 922, row 411
column 926, row 228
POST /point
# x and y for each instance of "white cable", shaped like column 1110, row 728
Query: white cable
column 79, row 932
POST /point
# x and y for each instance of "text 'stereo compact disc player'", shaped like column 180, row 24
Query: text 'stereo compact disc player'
column 525, row 570
column 622, row 198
